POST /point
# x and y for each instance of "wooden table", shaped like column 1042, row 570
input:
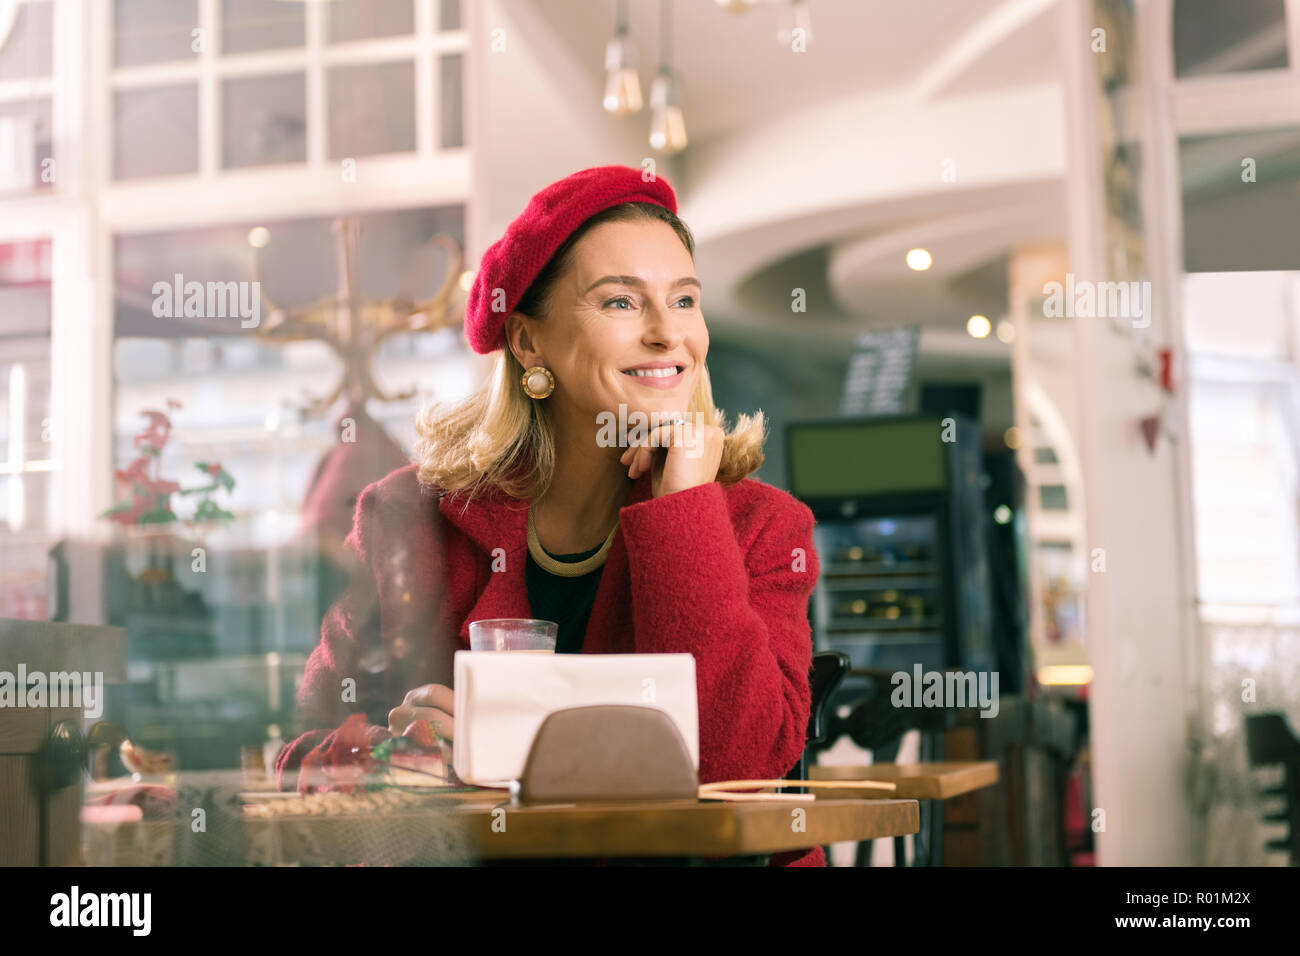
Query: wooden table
column 484, row 825
column 915, row 781
column 688, row 828
column 918, row 781
column 467, row 828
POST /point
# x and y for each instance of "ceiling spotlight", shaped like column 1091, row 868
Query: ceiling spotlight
column 1002, row 514
column 1006, row 332
column 467, row 280
column 978, row 326
column 919, row 260
column 259, row 236
column 1011, row 437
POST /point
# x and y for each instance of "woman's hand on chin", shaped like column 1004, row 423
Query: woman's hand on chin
column 687, row 455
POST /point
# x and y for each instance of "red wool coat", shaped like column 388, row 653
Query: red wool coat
column 722, row 572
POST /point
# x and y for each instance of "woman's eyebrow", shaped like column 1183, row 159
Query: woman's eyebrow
column 636, row 283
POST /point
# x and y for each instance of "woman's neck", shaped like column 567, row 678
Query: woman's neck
column 587, row 490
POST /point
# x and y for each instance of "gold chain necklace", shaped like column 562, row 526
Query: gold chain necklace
column 566, row 569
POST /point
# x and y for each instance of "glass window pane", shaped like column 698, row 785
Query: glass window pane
column 26, row 147
column 1211, row 36
column 449, row 15
column 153, row 31
column 371, row 109
column 451, row 101
column 1244, row 480
column 155, row 131
column 29, row 50
column 1240, row 315
column 25, row 450
column 363, row 19
column 1241, row 201
column 1053, row 498
column 270, row 573
column 249, row 25
column 264, row 120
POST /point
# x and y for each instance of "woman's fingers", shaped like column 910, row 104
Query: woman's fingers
column 399, row 718
column 693, row 459
column 432, row 695
column 432, row 702
column 644, row 459
column 640, row 458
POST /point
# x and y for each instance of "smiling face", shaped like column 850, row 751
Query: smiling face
column 623, row 326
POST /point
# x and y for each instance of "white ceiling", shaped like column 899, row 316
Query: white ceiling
column 732, row 70
column 734, row 74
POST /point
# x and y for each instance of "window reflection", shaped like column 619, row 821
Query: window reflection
column 251, row 25
column 1215, row 37
column 153, row 31
column 371, row 109
column 264, row 120
column 366, row 19
column 215, row 645
column 156, row 131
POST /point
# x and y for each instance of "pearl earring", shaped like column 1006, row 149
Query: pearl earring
column 538, row 382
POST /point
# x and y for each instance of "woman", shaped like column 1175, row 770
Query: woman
column 527, row 501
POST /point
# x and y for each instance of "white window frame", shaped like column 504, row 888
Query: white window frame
column 430, row 175
column 1194, row 106
column 86, row 208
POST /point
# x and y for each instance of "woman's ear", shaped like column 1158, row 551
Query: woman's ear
column 519, row 339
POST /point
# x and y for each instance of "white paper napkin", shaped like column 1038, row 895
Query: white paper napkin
column 502, row 698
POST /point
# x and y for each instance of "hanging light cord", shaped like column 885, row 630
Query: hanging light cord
column 666, row 35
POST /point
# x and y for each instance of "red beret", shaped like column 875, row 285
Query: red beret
column 513, row 261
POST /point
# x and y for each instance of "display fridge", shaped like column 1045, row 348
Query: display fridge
column 900, row 540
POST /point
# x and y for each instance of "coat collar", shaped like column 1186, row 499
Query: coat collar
column 494, row 521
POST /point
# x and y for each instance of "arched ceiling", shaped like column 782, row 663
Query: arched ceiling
column 818, row 171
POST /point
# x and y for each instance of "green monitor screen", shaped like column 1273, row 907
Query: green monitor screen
column 866, row 458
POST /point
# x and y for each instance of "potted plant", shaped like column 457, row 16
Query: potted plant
column 147, row 515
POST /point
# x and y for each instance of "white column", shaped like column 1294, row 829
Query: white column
column 1134, row 608
column 81, row 297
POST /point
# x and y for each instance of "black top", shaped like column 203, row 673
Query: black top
column 566, row 601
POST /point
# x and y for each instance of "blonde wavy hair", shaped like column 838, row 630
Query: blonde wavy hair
column 499, row 438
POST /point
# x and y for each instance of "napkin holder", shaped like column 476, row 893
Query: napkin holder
column 608, row 752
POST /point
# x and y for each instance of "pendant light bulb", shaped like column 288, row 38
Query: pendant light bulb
column 667, row 124
column 622, row 84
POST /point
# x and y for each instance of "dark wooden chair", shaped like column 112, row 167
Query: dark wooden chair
column 874, row 723
column 1270, row 742
column 828, row 669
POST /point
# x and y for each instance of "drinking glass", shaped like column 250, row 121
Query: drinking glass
column 520, row 634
